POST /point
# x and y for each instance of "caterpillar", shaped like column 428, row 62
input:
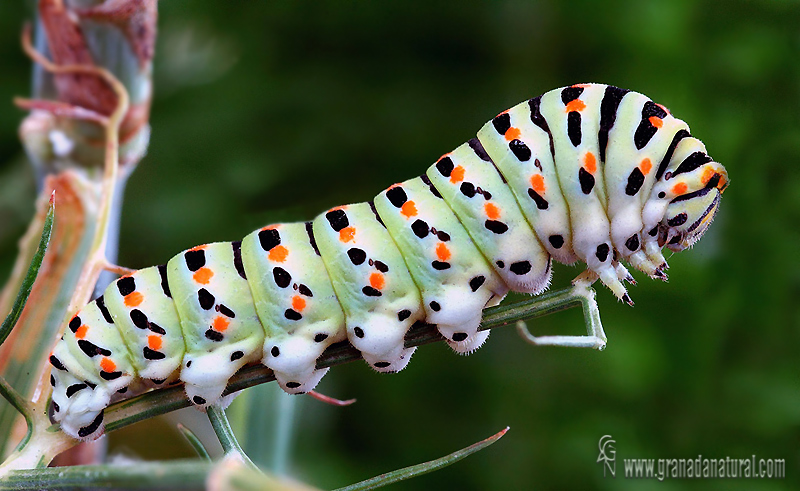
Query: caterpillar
column 590, row 173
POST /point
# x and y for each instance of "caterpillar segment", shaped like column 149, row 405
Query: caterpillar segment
column 588, row 172
column 295, row 302
column 455, row 280
column 91, row 368
column 218, row 319
column 475, row 190
column 373, row 284
column 141, row 306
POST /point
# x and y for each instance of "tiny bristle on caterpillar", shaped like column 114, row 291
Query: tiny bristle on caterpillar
column 589, row 172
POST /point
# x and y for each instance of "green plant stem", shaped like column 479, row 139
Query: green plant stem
column 33, row 271
column 188, row 474
column 162, row 401
column 195, row 442
column 16, row 400
column 222, row 427
column 424, row 468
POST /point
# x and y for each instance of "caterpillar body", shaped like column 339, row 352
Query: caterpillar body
column 588, row 172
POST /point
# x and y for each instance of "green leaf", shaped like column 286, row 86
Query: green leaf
column 424, row 468
column 195, row 442
column 33, row 271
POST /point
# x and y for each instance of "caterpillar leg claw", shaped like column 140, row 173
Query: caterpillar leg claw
column 640, row 261
column 623, row 274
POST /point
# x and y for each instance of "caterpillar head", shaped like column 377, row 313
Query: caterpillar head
column 694, row 204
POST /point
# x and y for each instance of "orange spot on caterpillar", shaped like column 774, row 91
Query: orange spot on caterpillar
column 409, row 209
column 442, row 252
column 202, row 276
column 645, row 166
column 575, row 105
column 133, row 299
column 81, row 332
column 107, row 365
column 154, row 342
column 199, row 248
column 708, row 173
column 298, row 303
column 537, row 183
column 590, row 163
column 220, row 323
column 512, row 134
column 679, row 188
column 457, row 174
column 278, row 254
column 346, row 234
column 664, row 108
column 656, row 121
column 377, row 281
column 492, row 211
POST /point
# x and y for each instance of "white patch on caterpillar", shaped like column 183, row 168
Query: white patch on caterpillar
column 295, row 363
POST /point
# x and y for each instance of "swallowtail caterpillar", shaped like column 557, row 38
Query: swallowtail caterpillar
column 589, row 172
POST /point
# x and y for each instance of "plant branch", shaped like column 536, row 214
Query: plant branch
column 186, row 474
column 195, row 442
column 222, row 427
column 30, row 277
column 16, row 400
column 162, row 401
column 424, row 468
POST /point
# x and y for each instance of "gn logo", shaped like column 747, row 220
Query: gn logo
column 608, row 455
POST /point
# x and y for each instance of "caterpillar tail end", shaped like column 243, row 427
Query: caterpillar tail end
column 87, row 425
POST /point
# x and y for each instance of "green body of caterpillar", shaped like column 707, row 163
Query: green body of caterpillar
column 588, row 172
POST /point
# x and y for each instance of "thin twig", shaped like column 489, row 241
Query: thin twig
column 96, row 259
column 424, row 468
column 15, row 399
column 187, row 474
column 30, row 277
column 222, row 427
column 61, row 109
column 330, row 400
column 195, row 442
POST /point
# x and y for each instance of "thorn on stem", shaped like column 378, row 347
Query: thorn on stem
column 330, row 400
column 116, row 269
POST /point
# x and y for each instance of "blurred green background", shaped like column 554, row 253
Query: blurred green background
column 274, row 111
